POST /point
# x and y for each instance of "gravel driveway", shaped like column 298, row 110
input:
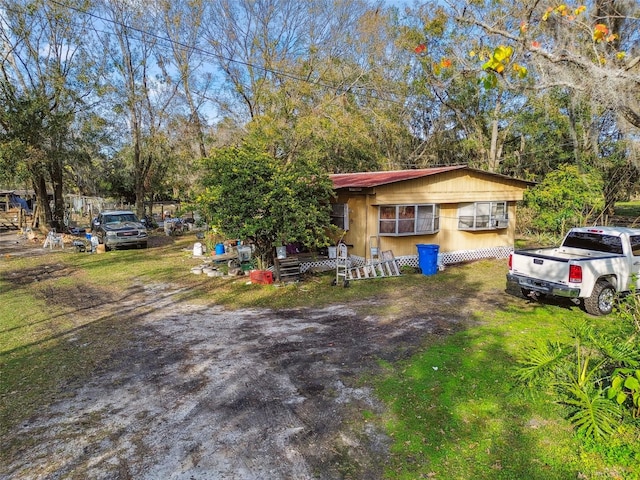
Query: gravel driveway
column 206, row 393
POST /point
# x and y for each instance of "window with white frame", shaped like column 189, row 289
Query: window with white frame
column 398, row 220
column 340, row 215
column 482, row 216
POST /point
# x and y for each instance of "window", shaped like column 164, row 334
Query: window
column 340, row 215
column 594, row 241
column 399, row 220
column 635, row 245
column 482, row 216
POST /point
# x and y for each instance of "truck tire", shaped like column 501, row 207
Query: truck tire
column 601, row 300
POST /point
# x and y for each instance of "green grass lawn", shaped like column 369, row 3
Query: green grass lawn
column 453, row 411
column 456, row 410
column 628, row 209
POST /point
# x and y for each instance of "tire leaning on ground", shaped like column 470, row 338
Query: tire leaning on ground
column 601, row 300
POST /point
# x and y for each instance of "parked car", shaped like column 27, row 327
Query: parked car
column 119, row 228
column 591, row 266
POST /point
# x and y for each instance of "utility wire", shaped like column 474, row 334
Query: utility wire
column 265, row 69
column 220, row 57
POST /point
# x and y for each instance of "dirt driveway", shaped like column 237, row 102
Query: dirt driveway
column 205, row 393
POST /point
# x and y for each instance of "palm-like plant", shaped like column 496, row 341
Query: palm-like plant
column 580, row 374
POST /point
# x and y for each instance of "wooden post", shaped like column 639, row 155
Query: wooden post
column 34, row 219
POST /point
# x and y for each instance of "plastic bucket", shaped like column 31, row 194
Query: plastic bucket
column 281, row 252
column 333, row 252
column 244, row 254
column 220, row 249
column 197, row 249
column 428, row 258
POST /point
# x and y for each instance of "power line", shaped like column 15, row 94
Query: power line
column 219, row 57
column 281, row 73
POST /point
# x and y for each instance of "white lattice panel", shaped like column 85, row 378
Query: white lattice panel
column 460, row 256
column 319, row 265
column 444, row 258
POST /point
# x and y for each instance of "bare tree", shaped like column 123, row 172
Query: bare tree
column 182, row 22
column 135, row 89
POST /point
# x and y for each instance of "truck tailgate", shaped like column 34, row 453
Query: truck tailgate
column 540, row 266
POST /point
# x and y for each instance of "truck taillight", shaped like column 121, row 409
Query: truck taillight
column 575, row 274
column 510, row 261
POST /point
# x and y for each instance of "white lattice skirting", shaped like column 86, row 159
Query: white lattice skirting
column 444, row 258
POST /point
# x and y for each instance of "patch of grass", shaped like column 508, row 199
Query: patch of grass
column 628, row 209
column 456, row 412
column 46, row 344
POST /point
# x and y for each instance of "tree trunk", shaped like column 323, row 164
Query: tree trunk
column 195, row 119
column 56, row 173
column 493, row 151
column 138, row 173
column 42, row 200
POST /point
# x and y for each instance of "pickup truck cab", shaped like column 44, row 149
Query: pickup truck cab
column 591, row 266
column 119, row 228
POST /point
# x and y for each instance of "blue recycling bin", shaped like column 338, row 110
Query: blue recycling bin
column 428, row 258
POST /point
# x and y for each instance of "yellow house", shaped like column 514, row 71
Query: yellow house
column 468, row 213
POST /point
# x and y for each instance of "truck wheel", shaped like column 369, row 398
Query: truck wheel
column 601, row 300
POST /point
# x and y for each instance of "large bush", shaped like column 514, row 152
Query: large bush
column 252, row 196
column 564, row 199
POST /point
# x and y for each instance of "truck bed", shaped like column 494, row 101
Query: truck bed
column 564, row 254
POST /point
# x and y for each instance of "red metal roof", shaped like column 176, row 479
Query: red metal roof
column 373, row 179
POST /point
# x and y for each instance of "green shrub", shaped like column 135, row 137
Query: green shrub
column 564, row 199
column 581, row 373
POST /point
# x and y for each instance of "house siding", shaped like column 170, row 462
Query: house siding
column 447, row 190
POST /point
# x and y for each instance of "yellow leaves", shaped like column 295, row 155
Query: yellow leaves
column 502, row 53
column 482, row 54
column 601, row 34
column 497, row 63
column 563, row 11
column 600, row 31
column 520, row 70
column 621, row 55
column 443, row 63
column 499, row 58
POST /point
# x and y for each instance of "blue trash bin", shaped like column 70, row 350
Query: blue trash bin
column 428, row 258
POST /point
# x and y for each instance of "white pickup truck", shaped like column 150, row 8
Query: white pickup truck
column 591, row 265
